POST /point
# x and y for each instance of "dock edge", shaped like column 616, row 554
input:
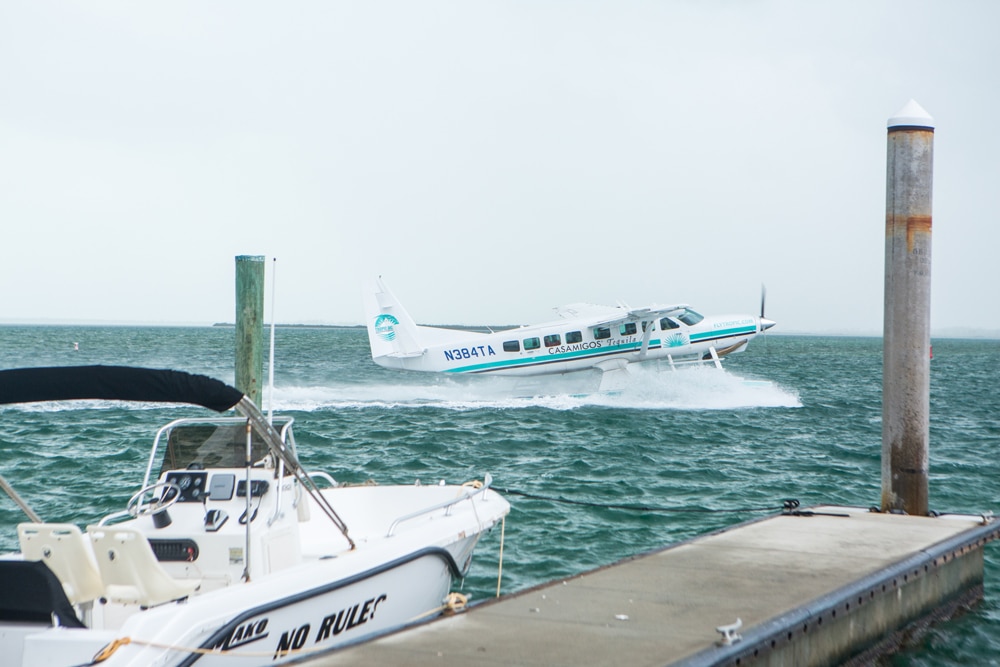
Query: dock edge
column 873, row 616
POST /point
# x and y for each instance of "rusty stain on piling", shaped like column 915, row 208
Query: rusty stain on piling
column 906, row 338
column 916, row 225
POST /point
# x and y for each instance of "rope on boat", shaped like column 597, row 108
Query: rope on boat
column 110, row 649
column 648, row 508
column 454, row 603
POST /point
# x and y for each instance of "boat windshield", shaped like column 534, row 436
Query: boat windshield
column 217, row 444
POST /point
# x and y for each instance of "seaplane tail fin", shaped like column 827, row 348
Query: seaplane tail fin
column 391, row 330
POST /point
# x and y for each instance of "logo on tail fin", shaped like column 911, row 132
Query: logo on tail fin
column 384, row 327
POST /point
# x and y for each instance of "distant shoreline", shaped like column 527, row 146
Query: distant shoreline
column 459, row 327
column 962, row 334
column 299, row 326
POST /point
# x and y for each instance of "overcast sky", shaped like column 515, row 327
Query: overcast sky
column 491, row 160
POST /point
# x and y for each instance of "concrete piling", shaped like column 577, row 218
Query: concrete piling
column 249, row 325
column 906, row 337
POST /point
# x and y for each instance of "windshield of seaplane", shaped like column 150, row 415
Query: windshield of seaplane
column 202, row 444
column 690, row 317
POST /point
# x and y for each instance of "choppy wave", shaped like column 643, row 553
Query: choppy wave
column 799, row 417
column 698, row 388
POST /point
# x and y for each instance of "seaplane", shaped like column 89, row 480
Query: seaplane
column 585, row 337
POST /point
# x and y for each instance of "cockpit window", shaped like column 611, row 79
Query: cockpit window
column 667, row 323
column 690, row 317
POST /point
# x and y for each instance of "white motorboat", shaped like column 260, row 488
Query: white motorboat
column 195, row 570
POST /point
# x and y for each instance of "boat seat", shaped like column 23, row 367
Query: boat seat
column 130, row 571
column 65, row 550
column 31, row 593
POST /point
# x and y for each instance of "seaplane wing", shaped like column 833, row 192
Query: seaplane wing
column 656, row 311
column 611, row 314
column 575, row 311
column 585, row 337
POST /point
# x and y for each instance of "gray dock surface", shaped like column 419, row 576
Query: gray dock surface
column 784, row 576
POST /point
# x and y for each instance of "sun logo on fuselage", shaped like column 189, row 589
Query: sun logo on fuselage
column 385, row 327
column 674, row 340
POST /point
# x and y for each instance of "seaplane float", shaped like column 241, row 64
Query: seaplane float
column 586, row 337
column 230, row 553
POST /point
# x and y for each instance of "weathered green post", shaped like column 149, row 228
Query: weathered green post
column 250, row 325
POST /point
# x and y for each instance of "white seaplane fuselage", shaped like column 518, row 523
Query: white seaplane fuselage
column 585, row 337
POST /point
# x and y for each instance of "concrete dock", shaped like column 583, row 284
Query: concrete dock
column 825, row 586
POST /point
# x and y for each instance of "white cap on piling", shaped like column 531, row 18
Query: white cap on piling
column 911, row 115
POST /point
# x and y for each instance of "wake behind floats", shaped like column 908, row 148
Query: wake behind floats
column 587, row 337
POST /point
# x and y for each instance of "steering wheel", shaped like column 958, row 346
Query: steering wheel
column 139, row 505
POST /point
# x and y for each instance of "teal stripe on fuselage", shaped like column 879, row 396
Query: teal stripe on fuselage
column 596, row 352
column 722, row 333
column 550, row 358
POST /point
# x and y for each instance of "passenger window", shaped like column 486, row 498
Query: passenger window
column 552, row 340
column 628, row 329
column 574, row 337
column 532, row 343
column 602, row 332
column 511, row 346
column 667, row 323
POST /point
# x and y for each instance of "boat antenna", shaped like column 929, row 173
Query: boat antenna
column 270, row 360
column 249, row 494
column 270, row 384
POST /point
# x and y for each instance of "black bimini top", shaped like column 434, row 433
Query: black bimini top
column 118, row 383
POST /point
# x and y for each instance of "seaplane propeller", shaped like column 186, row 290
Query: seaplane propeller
column 765, row 323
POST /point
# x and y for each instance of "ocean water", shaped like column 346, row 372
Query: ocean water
column 696, row 449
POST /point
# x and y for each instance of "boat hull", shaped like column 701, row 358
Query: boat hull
column 285, row 624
